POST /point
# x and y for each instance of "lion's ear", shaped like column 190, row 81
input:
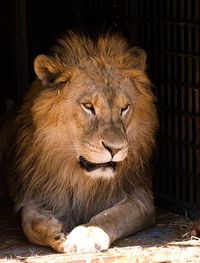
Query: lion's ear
column 140, row 58
column 47, row 69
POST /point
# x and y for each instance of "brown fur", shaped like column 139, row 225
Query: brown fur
column 53, row 131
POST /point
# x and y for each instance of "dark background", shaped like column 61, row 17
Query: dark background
column 30, row 27
column 169, row 31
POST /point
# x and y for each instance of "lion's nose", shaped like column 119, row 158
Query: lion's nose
column 112, row 149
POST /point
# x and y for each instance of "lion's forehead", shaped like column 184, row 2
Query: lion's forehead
column 104, row 97
column 101, row 76
column 112, row 88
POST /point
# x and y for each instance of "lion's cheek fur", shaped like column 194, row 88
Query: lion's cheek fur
column 141, row 130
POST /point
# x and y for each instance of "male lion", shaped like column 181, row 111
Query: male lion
column 84, row 136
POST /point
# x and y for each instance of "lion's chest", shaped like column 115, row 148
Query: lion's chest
column 80, row 211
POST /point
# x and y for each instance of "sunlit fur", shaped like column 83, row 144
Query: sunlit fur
column 50, row 132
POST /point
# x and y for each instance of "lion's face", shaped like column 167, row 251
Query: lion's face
column 99, row 119
column 94, row 111
column 95, row 114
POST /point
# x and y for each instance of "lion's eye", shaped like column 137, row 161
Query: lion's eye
column 124, row 110
column 88, row 108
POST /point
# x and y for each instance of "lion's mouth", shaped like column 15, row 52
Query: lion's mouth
column 89, row 167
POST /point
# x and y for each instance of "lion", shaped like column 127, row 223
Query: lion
column 83, row 141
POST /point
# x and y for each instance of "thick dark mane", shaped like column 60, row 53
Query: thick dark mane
column 73, row 50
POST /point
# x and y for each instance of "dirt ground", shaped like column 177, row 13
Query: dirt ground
column 167, row 241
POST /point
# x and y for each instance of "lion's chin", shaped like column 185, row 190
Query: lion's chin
column 106, row 173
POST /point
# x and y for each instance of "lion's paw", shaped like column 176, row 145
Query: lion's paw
column 86, row 239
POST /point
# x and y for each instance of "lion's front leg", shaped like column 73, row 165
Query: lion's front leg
column 42, row 228
column 119, row 221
